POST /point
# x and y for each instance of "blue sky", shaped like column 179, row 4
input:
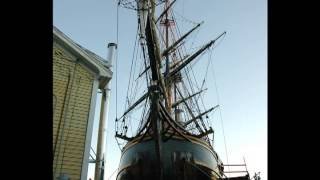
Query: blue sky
column 239, row 63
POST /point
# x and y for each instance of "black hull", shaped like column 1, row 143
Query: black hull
column 181, row 160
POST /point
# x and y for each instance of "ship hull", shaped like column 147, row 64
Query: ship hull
column 181, row 160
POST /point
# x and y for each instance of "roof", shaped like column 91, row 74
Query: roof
column 95, row 56
column 93, row 61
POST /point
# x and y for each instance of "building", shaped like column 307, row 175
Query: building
column 77, row 75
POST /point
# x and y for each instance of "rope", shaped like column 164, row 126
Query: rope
column 117, row 53
column 133, row 91
column 112, row 173
column 142, row 115
column 184, row 18
column 206, row 74
column 130, row 75
column 193, row 82
column 218, row 99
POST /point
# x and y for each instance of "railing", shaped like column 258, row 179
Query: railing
column 236, row 171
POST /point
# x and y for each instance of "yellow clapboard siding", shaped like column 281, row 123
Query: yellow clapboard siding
column 72, row 135
column 71, row 142
column 68, row 164
column 72, row 126
column 76, row 154
column 73, row 115
column 75, row 143
column 71, row 159
column 72, row 156
column 77, row 140
column 64, row 147
column 67, row 155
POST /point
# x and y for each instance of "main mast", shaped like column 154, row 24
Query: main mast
column 167, row 24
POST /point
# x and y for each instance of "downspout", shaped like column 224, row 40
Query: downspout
column 104, row 110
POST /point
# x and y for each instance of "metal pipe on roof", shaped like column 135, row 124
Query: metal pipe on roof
column 111, row 49
column 104, row 110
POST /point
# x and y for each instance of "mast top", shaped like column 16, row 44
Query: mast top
column 132, row 4
column 164, row 54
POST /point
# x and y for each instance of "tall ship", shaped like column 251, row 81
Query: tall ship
column 170, row 137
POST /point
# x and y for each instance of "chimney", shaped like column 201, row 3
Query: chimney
column 111, row 52
column 101, row 143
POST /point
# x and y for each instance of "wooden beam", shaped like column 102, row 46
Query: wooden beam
column 184, row 99
column 205, row 133
column 135, row 104
column 164, row 12
column 166, row 52
column 192, row 57
column 200, row 115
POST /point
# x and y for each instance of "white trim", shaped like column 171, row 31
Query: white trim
column 85, row 161
column 101, row 70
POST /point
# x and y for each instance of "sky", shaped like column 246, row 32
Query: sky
column 238, row 69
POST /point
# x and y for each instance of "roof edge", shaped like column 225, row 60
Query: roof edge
column 103, row 71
